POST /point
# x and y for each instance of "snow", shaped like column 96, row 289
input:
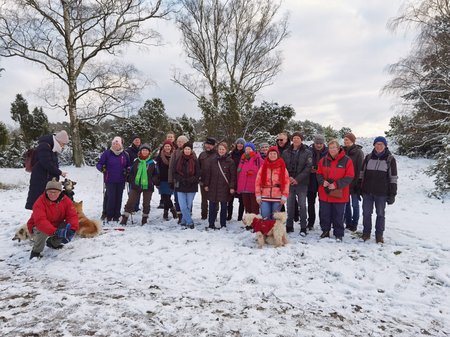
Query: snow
column 159, row 280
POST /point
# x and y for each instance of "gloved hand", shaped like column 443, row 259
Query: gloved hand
column 65, row 233
column 390, row 199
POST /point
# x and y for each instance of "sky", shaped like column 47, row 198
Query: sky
column 334, row 67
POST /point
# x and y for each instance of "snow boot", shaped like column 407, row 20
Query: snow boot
column 379, row 239
column 124, row 220
column 173, row 210
column 365, row 237
column 303, row 232
column 34, row 254
column 144, row 219
column 325, row 234
column 180, row 217
column 166, row 214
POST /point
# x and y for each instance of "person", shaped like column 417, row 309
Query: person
column 236, row 154
column 114, row 163
column 186, row 177
column 170, row 136
column 283, row 142
column 164, row 189
column 334, row 175
column 45, row 164
column 318, row 150
column 272, row 184
column 54, row 220
column 378, row 185
column 219, row 181
column 208, row 153
column 143, row 178
column 246, row 174
column 298, row 161
column 133, row 151
column 263, row 148
column 356, row 154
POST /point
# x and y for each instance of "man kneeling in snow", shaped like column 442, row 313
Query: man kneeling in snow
column 54, row 219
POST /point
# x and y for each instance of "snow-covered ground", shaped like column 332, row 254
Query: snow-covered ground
column 159, row 280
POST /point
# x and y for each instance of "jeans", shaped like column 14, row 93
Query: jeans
column 296, row 192
column 185, row 201
column 352, row 211
column 268, row 208
column 332, row 213
column 213, row 213
column 369, row 200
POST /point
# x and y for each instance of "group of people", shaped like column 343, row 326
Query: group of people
column 287, row 176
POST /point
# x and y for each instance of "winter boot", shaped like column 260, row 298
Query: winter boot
column 303, row 232
column 180, row 217
column 325, row 234
column 124, row 219
column 144, row 219
column 379, row 239
column 365, row 237
column 173, row 210
column 166, row 214
column 34, row 254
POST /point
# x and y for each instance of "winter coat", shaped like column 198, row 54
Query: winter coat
column 247, row 171
column 152, row 174
column 236, row 155
column 316, row 156
column 133, row 152
column 163, row 170
column 298, row 163
column 281, row 149
column 339, row 171
column 45, row 168
column 379, row 174
column 356, row 154
column 185, row 183
column 48, row 215
column 114, row 167
column 218, row 187
column 203, row 159
column 172, row 163
column 271, row 189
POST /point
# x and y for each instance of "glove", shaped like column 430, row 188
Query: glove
column 103, row 169
column 390, row 199
column 65, row 233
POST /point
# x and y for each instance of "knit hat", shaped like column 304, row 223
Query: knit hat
column 134, row 137
column 145, row 146
column 168, row 142
column 183, row 139
column 251, row 145
column 273, row 149
column 351, row 136
column 264, row 144
column 240, row 141
column 187, row 144
column 62, row 137
column 380, row 139
column 297, row 134
column 211, row 141
column 319, row 139
column 118, row 140
column 53, row 185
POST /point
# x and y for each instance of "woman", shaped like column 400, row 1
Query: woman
column 114, row 163
column 186, row 177
column 272, row 184
column 236, row 155
column 143, row 177
column 248, row 168
column 334, row 175
column 220, row 183
column 164, row 188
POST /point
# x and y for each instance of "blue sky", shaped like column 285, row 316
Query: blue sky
column 333, row 69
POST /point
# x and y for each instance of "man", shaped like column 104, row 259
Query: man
column 298, row 161
column 378, row 182
column 282, row 142
column 318, row 150
column 263, row 148
column 208, row 153
column 54, row 220
column 351, row 215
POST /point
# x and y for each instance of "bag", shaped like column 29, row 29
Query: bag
column 336, row 193
column 29, row 160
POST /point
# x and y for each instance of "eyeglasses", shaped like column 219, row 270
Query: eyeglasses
column 280, row 140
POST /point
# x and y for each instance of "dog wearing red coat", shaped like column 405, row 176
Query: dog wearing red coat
column 272, row 232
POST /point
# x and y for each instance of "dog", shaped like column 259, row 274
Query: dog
column 88, row 228
column 68, row 186
column 23, row 234
column 272, row 232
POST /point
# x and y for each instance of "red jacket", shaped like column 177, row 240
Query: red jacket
column 48, row 215
column 271, row 189
column 263, row 226
column 339, row 170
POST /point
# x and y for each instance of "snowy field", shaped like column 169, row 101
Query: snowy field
column 159, row 280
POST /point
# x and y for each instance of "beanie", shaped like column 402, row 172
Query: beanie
column 118, row 140
column 264, row 144
column 53, row 185
column 250, row 145
column 274, row 149
column 145, row 146
column 351, row 136
column 62, row 137
column 380, row 139
column 211, row 141
column 240, row 141
column 297, row 134
column 134, row 137
column 168, row 142
column 319, row 139
column 187, row 144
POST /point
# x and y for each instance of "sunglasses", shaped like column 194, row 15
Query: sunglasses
column 280, row 140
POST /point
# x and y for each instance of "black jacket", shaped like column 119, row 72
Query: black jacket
column 185, row 183
column 298, row 163
column 379, row 174
column 356, row 154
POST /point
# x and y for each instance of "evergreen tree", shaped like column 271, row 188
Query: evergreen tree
column 4, row 135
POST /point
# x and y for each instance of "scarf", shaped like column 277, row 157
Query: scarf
column 247, row 157
column 189, row 163
column 273, row 165
column 165, row 158
column 141, row 179
column 116, row 152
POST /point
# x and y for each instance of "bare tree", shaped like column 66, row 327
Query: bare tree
column 231, row 45
column 76, row 41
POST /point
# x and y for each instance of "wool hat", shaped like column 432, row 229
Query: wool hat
column 211, row 141
column 53, row 185
column 134, row 137
column 263, row 144
column 273, row 149
column 62, row 137
column 319, row 139
column 188, row 144
column 250, row 145
column 118, row 140
column 351, row 136
column 380, row 139
column 183, row 139
column 297, row 134
column 240, row 141
column 168, row 142
column 145, row 146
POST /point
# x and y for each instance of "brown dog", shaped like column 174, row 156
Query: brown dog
column 88, row 228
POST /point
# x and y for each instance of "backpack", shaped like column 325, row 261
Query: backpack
column 29, row 160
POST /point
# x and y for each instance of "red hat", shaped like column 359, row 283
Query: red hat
column 168, row 142
column 274, row 148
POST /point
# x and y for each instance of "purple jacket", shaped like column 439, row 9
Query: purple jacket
column 114, row 167
column 247, row 171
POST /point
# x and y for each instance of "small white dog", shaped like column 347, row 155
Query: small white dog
column 23, row 234
column 272, row 232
